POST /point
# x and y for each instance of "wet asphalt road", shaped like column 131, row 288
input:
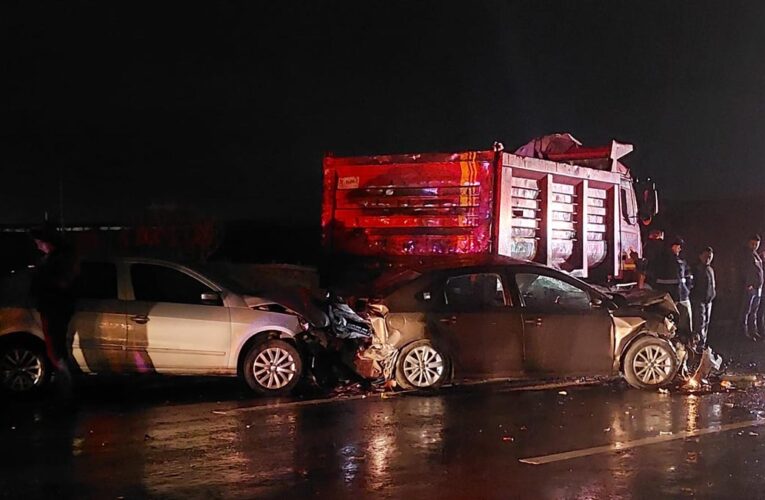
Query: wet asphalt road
column 211, row 439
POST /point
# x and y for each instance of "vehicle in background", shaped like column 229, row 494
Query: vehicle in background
column 553, row 202
column 496, row 317
column 152, row 316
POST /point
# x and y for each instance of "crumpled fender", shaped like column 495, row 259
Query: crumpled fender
column 629, row 331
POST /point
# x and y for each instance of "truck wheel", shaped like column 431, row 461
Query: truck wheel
column 24, row 368
column 421, row 366
column 650, row 363
column 272, row 368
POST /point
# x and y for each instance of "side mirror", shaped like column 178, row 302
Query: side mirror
column 596, row 302
column 647, row 199
column 210, row 298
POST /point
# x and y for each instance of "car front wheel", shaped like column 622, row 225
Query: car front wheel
column 23, row 368
column 273, row 367
column 421, row 366
column 650, row 363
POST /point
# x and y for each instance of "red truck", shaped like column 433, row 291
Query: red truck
column 553, row 201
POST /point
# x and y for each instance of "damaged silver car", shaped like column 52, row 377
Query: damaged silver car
column 503, row 318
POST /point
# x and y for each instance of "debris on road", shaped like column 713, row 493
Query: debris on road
column 709, row 363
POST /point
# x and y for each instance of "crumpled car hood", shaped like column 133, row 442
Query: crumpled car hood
column 652, row 300
column 298, row 301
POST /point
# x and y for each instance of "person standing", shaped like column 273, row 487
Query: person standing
column 673, row 276
column 750, row 284
column 52, row 287
column 702, row 294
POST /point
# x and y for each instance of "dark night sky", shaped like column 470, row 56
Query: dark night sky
column 229, row 106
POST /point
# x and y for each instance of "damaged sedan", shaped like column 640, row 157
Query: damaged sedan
column 504, row 318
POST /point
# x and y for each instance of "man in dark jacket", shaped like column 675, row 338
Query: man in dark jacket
column 750, row 284
column 702, row 295
column 55, row 275
column 673, row 276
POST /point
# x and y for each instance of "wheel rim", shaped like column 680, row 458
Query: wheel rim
column 423, row 366
column 652, row 364
column 274, row 368
column 21, row 369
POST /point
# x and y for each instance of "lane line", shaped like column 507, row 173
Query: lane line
column 310, row 402
column 625, row 445
column 391, row 395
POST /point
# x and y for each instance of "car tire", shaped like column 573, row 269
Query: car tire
column 650, row 363
column 24, row 368
column 272, row 368
column 421, row 365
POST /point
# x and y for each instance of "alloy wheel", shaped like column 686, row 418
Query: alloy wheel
column 21, row 369
column 423, row 366
column 274, row 368
column 652, row 364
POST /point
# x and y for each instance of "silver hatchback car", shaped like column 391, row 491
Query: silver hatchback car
column 152, row 316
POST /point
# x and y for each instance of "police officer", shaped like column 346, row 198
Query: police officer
column 673, row 276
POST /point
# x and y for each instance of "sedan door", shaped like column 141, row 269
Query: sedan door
column 98, row 328
column 177, row 323
column 564, row 331
column 478, row 326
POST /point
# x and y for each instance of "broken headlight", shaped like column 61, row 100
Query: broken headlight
column 669, row 324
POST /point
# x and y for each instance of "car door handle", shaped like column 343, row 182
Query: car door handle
column 449, row 321
column 140, row 319
column 535, row 321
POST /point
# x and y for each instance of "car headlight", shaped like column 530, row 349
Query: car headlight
column 669, row 324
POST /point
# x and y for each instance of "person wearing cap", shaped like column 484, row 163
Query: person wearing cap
column 702, row 294
column 673, row 276
column 750, row 286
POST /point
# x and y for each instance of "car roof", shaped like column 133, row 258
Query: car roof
column 452, row 262
column 403, row 271
column 142, row 260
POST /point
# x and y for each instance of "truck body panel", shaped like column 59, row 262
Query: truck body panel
column 578, row 213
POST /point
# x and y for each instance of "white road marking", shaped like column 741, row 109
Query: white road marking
column 625, row 445
column 290, row 404
column 391, row 395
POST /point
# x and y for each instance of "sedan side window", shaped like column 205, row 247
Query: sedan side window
column 474, row 291
column 162, row 284
column 96, row 280
column 551, row 294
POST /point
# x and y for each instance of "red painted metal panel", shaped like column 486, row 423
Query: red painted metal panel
column 466, row 204
column 409, row 204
